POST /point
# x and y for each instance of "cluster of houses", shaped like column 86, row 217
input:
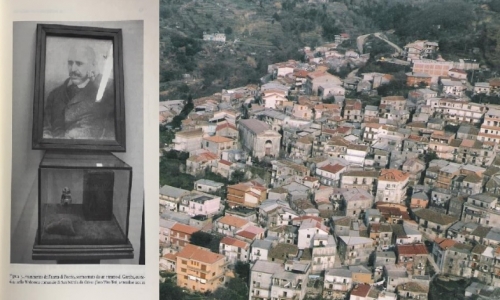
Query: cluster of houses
column 358, row 201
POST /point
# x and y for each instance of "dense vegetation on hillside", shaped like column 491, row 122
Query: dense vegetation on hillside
column 258, row 33
column 263, row 32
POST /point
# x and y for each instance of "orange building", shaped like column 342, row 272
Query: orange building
column 198, row 269
column 415, row 79
column 247, row 194
column 180, row 235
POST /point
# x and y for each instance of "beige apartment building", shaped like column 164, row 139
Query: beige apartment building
column 198, row 269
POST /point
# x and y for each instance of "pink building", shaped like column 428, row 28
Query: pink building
column 203, row 204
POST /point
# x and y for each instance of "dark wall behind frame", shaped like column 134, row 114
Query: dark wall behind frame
column 113, row 34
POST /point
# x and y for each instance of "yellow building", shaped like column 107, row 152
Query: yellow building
column 199, row 269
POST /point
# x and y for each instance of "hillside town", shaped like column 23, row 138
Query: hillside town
column 325, row 193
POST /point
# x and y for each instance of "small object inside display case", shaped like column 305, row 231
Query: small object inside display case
column 84, row 204
column 66, row 196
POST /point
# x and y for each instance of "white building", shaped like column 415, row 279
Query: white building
column 356, row 154
column 482, row 88
column 214, row 37
column 453, row 87
column 260, row 250
column 323, row 253
column 338, row 282
column 207, row 186
column 330, row 174
column 357, row 201
column 188, row 141
column 269, row 280
column 273, row 100
column 170, row 197
column 234, row 249
column 392, row 185
column 261, row 279
column 307, row 230
column 490, row 129
column 202, row 204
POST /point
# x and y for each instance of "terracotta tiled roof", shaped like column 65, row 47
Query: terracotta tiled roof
column 333, row 168
column 255, row 229
column 234, row 242
column 200, row 254
column 184, row 228
column 233, row 221
column 413, row 249
column 300, row 73
column 417, row 138
column 225, row 125
column 207, row 156
column 247, row 234
column 317, row 74
column 445, row 243
column 375, row 227
column 353, row 104
column 225, row 162
column 495, row 82
column 393, row 175
column 361, row 290
column 170, row 256
column 218, row 139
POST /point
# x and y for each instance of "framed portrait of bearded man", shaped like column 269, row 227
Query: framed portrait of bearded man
column 78, row 100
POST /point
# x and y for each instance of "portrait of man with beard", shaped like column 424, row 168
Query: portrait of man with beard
column 82, row 107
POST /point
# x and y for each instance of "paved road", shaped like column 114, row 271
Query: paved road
column 383, row 38
column 360, row 41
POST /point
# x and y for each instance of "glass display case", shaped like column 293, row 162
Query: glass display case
column 83, row 207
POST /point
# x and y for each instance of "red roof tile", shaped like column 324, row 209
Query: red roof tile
column 333, row 168
column 413, row 249
column 361, row 290
column 184, row 228
column 199, row 254
column 234, row 242
column 445, row 243
column 393, row 175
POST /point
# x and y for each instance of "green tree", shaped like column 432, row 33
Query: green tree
column 201, row 238
column 329, row 30
column 166, row 136
column 236, row 289
column 242, row 269
column 170, row 291
column 237, row 176
column 206, row 240
column 430, row 156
